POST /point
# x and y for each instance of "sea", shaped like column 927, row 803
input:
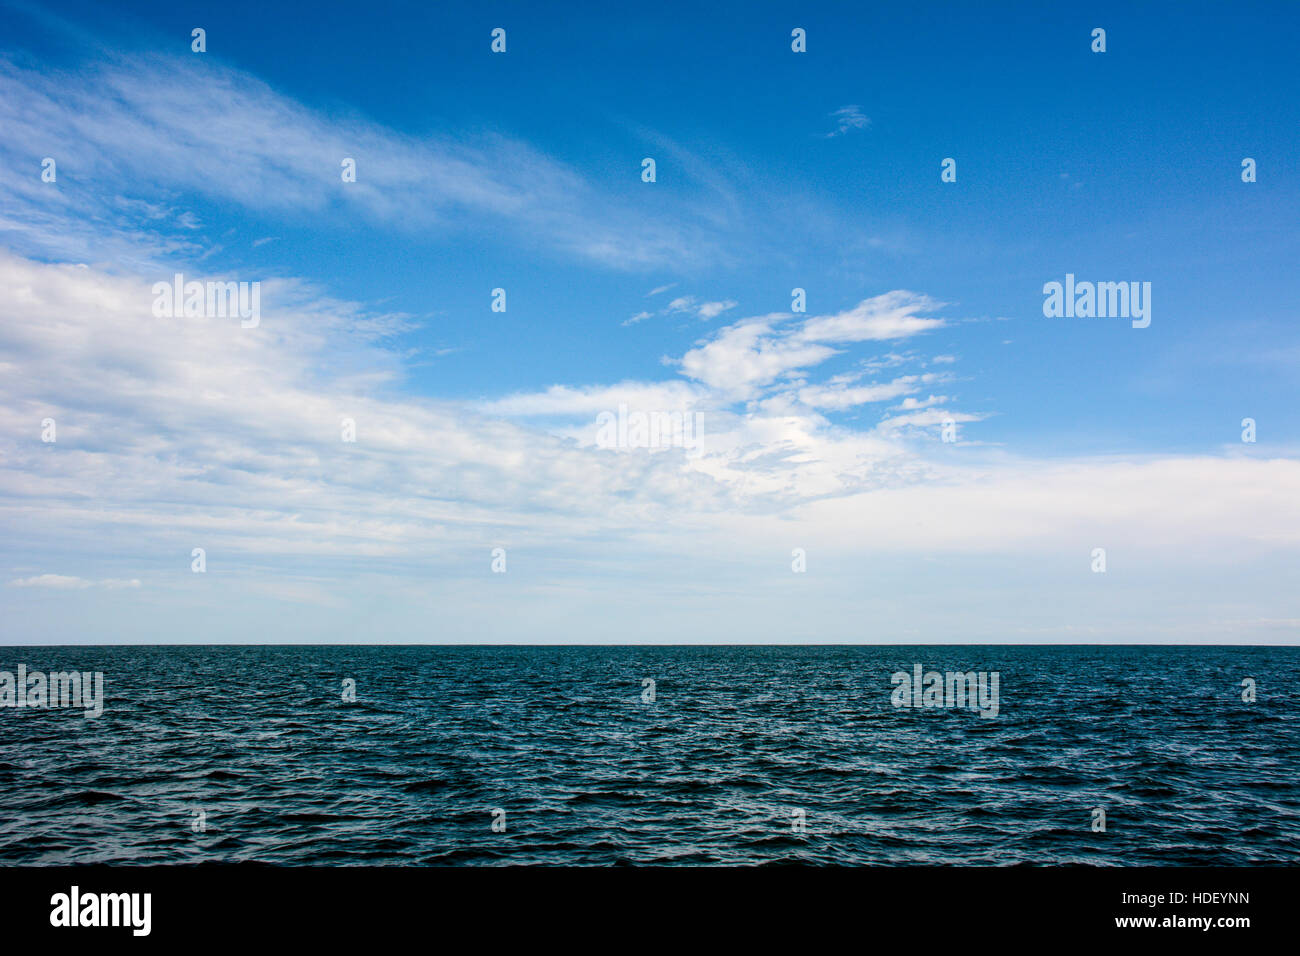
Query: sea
column 657, row 755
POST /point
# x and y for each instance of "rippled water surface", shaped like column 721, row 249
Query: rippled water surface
column 712, row 771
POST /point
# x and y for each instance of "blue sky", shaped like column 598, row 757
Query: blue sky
column 775, row 170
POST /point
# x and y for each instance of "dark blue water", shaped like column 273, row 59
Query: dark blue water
column 714, row 771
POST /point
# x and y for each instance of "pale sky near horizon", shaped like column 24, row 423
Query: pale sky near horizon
column 821, row 432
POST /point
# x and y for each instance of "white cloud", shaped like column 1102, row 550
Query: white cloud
column 848, row 118
column 63, row 582
column 59, row 582
column 885, row 317
column 686, row 304
column 841, row 396
column 592, row 400
column 912, row 404
column 162, row 125
column 926, row 418
column 199, row 433
column 748, row 355
column 711, row 310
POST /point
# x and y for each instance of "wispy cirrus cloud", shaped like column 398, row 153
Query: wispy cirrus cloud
column 154, row 127
column 848, row 118
column 64, row 582
column 746, row 356
column 687, row 305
